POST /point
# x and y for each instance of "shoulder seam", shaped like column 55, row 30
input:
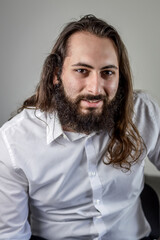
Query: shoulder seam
column 9, row 150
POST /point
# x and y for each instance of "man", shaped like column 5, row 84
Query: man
column 74, row 155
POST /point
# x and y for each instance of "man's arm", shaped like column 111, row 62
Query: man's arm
column 154, row 153
column 13, row 199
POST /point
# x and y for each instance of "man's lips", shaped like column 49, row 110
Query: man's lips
column 91, row 103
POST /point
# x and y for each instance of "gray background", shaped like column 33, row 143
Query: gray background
column 29, row 28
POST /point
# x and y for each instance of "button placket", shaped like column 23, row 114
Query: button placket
column 92, row 172
column 95, row 184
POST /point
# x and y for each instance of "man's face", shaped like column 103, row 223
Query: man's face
column 90, row 73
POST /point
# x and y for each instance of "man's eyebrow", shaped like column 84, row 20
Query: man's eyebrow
column 109, row 66
column 80, row 64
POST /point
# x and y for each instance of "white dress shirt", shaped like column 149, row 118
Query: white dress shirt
column 60, row 178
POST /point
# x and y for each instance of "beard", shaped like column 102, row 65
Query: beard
column 71, row 117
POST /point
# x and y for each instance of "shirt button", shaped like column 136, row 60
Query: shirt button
column 92, row 174
column 97, row 201
column 65, row 137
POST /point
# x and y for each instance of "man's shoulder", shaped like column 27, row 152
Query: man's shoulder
column 145, row 107
column 140, row 95
column 28, row 118
column 142, row 98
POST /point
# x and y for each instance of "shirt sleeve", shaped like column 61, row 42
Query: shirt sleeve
column 147, row 120
column 154, row 153
column 14, row 223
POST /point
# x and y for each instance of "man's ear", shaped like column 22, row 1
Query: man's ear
column 55, row 77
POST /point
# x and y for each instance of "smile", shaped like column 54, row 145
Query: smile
column 91, row 103
column 92, row 100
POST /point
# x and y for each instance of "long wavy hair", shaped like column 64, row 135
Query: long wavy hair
column 125, row 145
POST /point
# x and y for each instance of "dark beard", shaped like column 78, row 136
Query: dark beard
column 71, row 118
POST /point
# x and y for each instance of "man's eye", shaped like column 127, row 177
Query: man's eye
column 108, row 72
column 83, row 71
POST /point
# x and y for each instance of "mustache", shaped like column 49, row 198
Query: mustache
column 91, row 97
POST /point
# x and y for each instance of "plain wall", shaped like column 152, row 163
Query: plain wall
column 29, row 28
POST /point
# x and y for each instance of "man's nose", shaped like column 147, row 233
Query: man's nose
column 94, row 84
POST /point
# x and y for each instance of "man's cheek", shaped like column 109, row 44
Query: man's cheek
column 112, row 90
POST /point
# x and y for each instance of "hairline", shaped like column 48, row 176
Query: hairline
column 68, row 45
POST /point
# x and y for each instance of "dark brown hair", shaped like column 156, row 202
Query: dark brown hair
column 126, row 145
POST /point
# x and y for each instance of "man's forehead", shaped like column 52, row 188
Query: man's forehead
column 86, row 47
column 83, row 38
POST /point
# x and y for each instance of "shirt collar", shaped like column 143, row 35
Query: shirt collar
column 54, row 128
